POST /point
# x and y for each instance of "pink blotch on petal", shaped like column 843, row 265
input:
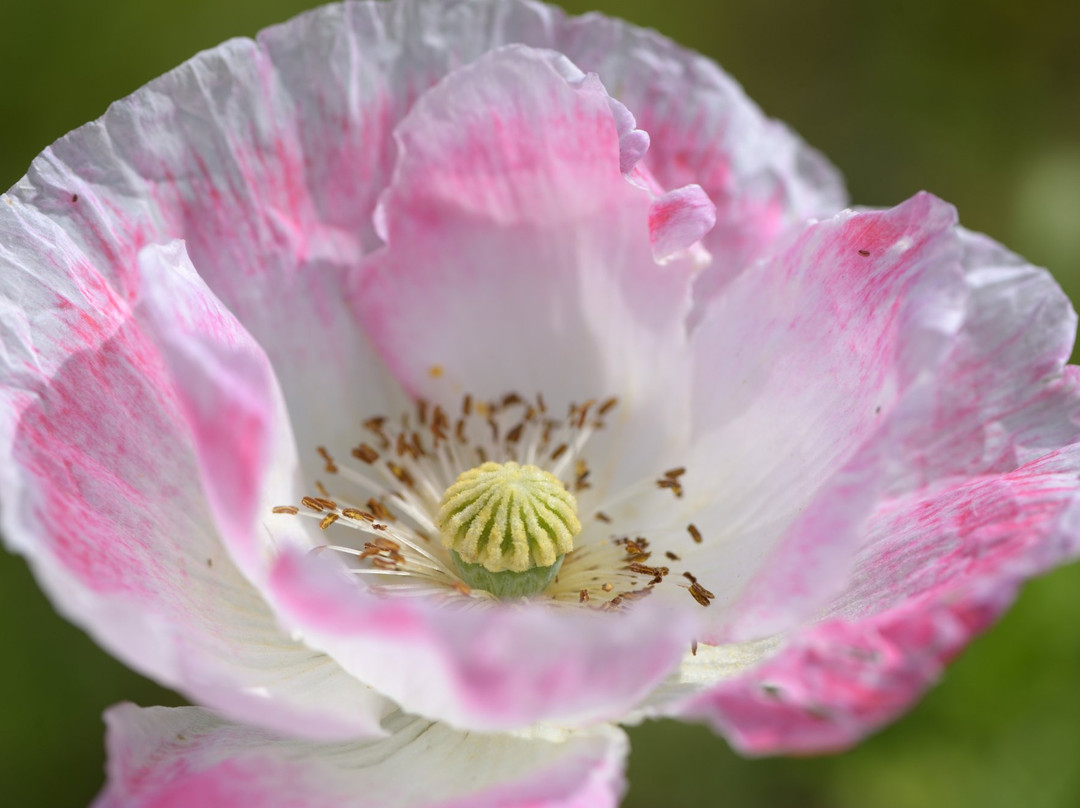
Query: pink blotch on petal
column 490, row 669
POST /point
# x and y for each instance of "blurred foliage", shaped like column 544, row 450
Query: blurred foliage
column 977, row 102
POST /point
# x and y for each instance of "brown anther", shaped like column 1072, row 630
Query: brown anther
column 331, row 467
column 583, row 596
column 466, row 405
column 695, row 534
column 375, row 425
column 582, row 412
column 674, row 485
column 383, row 563
column 327, row 504
column 459, row 431
column 693, row 647
column 510, row 399
column 603, row 517
column 462, row 587
column 377, row 526
column 418, row 445
column 481, row 454
column 674, row 474
column 313, row 503
column 401, row 475
column 690, row 577
column 323, row 493
column 703, row 590
column 421, row 411
column 607, row 406
column 657, row 572
column 354, row 514
column 540, row 405
column 701, row 594
column 514, row 435
column 328, row 520
column 613, row 604
column 365, row 453
column 560, row 450
column 384, row 543
column 607, row 587
column 379, row 510
column 671, row 556
column 289, row 509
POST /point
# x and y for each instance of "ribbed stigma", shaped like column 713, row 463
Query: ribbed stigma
column 508, row 527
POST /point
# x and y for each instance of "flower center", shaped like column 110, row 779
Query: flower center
column 508, row 527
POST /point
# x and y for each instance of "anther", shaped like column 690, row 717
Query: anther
column 365, row 453
column 331, row 467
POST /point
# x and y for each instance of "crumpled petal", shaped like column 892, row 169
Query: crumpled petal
column 103, row 494
column 167, row 758
column 763, row 179
column 989, row 496
column 942, row 570
column 796, row 367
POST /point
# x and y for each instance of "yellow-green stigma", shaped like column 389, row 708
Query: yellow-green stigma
column 508, row 527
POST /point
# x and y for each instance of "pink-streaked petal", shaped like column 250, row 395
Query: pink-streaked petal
column 509, row 222
column 168, row 758
column 761, row 176
column 229, row 397
column 999, row 400
column 796, row 366
column 940, row 568
column 103, row 495
column 493, row 668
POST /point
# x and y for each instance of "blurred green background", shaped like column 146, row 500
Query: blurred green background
column 978, row 102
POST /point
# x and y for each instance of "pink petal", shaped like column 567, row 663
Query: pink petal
column 762, row 178
column 103, row 495
column 983, row 495
column 797, row 365
column 228, row 395
column 509, row 223
column 941, row 568
column 678, row 220
column 484, row 668
column 167, row 758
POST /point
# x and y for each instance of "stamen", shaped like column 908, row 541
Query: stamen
column 408, row 476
